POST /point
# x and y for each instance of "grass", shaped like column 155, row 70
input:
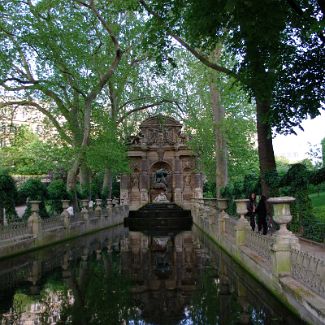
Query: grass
column 318, row 201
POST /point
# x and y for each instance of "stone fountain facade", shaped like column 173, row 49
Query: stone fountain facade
column 161, row 164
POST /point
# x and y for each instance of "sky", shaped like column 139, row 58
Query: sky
column 294, row 147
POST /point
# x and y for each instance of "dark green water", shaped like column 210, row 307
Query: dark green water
column 120, row 277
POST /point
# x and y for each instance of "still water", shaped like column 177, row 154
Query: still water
column 125, row 277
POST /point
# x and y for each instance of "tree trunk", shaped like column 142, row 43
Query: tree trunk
column 108, row 183
column 265, row 146
column 220, row 142
column 84, row 177
column 72, row 175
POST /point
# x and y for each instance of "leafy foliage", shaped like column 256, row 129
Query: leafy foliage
column 56, row 192
column 28, row 155
column 8, row 195
column 295, row 183
column 34, row 189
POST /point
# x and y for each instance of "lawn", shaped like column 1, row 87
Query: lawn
column 318, row 201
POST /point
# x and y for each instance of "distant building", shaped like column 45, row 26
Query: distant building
column 13, row 117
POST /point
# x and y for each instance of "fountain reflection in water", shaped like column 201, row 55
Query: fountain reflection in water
column 131, row 277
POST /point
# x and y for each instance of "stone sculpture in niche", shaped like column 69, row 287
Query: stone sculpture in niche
column 160, row 179
column 135, row 180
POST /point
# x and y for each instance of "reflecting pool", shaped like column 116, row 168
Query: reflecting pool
column 118, row 276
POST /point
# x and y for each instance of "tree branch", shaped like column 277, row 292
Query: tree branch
column 192, row 50
column 141, row 108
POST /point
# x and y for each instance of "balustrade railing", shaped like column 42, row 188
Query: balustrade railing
column 261, row 244
column 308, row 269
column 52, row 223
column 14, row 235
column 16, row 229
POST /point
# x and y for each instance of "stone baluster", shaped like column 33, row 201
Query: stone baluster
column 34, row 221
column 65, row 214
column 222, row 205
column 98, row 209
column 84, row 210
column 284, row 239
column 109, row 210
column 242, row 224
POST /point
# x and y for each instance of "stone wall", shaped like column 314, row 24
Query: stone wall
column 292, row 273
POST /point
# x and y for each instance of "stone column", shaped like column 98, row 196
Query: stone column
column 98, row 209
column 222, row 205
column 283, row 238
column 124, row 187
column 144, row 181
column 84, row 210
column 198, row 186
column 65, row 214
column 178, row 182
column 242, row 224
column 34, row 221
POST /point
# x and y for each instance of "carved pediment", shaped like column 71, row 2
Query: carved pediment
column 160, row 130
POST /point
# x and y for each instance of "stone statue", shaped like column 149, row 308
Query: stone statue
column 187, row 181
column 135, row 181
column 161, row 176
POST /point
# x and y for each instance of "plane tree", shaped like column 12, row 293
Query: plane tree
column 269, row 41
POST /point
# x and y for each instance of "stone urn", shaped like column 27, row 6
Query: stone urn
column 282, row 214
column 241, row 208
column 222, row 204
column 84, row 204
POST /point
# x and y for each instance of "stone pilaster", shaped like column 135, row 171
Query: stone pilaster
column 34, row 221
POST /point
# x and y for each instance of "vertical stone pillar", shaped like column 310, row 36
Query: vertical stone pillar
column 65, row 214
column 34, row 221
column 283, row 238
column 198, row 186
column 98, row 209
column 124, row 188
column 178, row 181
column 242, row 224
column 222, row 205
column 84, row 210
column 144, row 182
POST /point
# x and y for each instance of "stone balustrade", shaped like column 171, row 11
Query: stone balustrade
column 277, row 260
column 36, row 232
